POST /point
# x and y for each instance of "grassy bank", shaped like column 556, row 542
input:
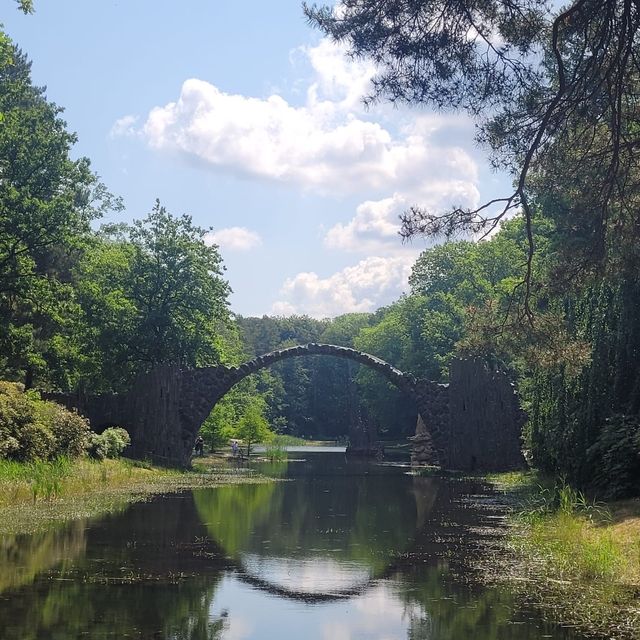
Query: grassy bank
column 33, row 495
column 577, row 560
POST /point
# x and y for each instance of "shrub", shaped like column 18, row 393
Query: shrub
column 36, row 429
column 70, row 430
column 109, row 444
column 23, row 432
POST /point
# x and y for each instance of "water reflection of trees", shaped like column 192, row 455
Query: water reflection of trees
column 23, row 557
column 478, row 614
column 147, row 610
column 155, row 571
column 366, row 520
column 144, row 574
column 442, row 608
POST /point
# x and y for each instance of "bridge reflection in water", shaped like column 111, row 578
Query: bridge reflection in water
column 329, row 534
column 345, row 550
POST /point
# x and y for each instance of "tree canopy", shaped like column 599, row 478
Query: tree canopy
column 47, row 201
column 553, row 92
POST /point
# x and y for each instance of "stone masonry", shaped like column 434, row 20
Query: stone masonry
column 472, row 423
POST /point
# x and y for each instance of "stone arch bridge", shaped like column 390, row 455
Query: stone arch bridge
column 474, row 422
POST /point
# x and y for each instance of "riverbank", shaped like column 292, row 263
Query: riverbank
column 576, row 560
column 35, row 495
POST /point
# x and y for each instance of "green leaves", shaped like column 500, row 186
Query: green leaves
column 47, row 201
column 80, row 307
column 153, row 294
column 26, row 6
column 239, row 414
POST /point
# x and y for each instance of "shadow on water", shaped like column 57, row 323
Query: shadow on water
column 343, row 550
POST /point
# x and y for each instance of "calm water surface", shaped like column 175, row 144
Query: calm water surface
column 345, row 550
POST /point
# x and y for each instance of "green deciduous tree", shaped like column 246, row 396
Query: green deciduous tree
column 177, row 285
column 47, row 201
column 153, row 293
column 253, row 426
column 223, row 423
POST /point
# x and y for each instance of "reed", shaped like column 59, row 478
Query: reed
column 275, row 452
column 575, row 557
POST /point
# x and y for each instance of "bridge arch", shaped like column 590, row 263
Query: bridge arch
column 206, row 386
column 405, row 382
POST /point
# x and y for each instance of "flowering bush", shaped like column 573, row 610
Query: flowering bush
column 109, row 444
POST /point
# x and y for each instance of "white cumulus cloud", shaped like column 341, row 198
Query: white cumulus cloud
column 125, row 126
column 326, row 144
column 234, row 239
column 376, row 224
column 339, row 79
column 269, row 138
column 371, row 283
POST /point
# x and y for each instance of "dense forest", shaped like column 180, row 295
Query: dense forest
column 87, row 307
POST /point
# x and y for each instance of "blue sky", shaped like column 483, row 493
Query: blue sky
column 242, row 115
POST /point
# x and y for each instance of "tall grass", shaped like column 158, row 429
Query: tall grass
column 275, row 452
column 22, row 482
column 34, row 495
column 568, row 531
column 285, row 440
column 578, row 563
column 39, row 479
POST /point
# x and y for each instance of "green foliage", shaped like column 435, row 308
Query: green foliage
column 109, row 444
column 23, row 434
column 253, row 427
column 390, row 339
column 70, row 430
column 34, row 429
column 47, row 201
column 567, row 319
column 615, row 458
column 222, row 424
column 542, row 106
column 26, row 6
column 307, row 395
column 176, row 277
column 88, row 310
column 240, row 414
column 560, row 497
column 154, row 294
column 47, row 477
column 582, row 425
column 343, row 329
column 283, row 441
column 275, row 452
column 85, row 308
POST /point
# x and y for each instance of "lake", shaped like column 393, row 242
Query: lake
column 341, row 550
